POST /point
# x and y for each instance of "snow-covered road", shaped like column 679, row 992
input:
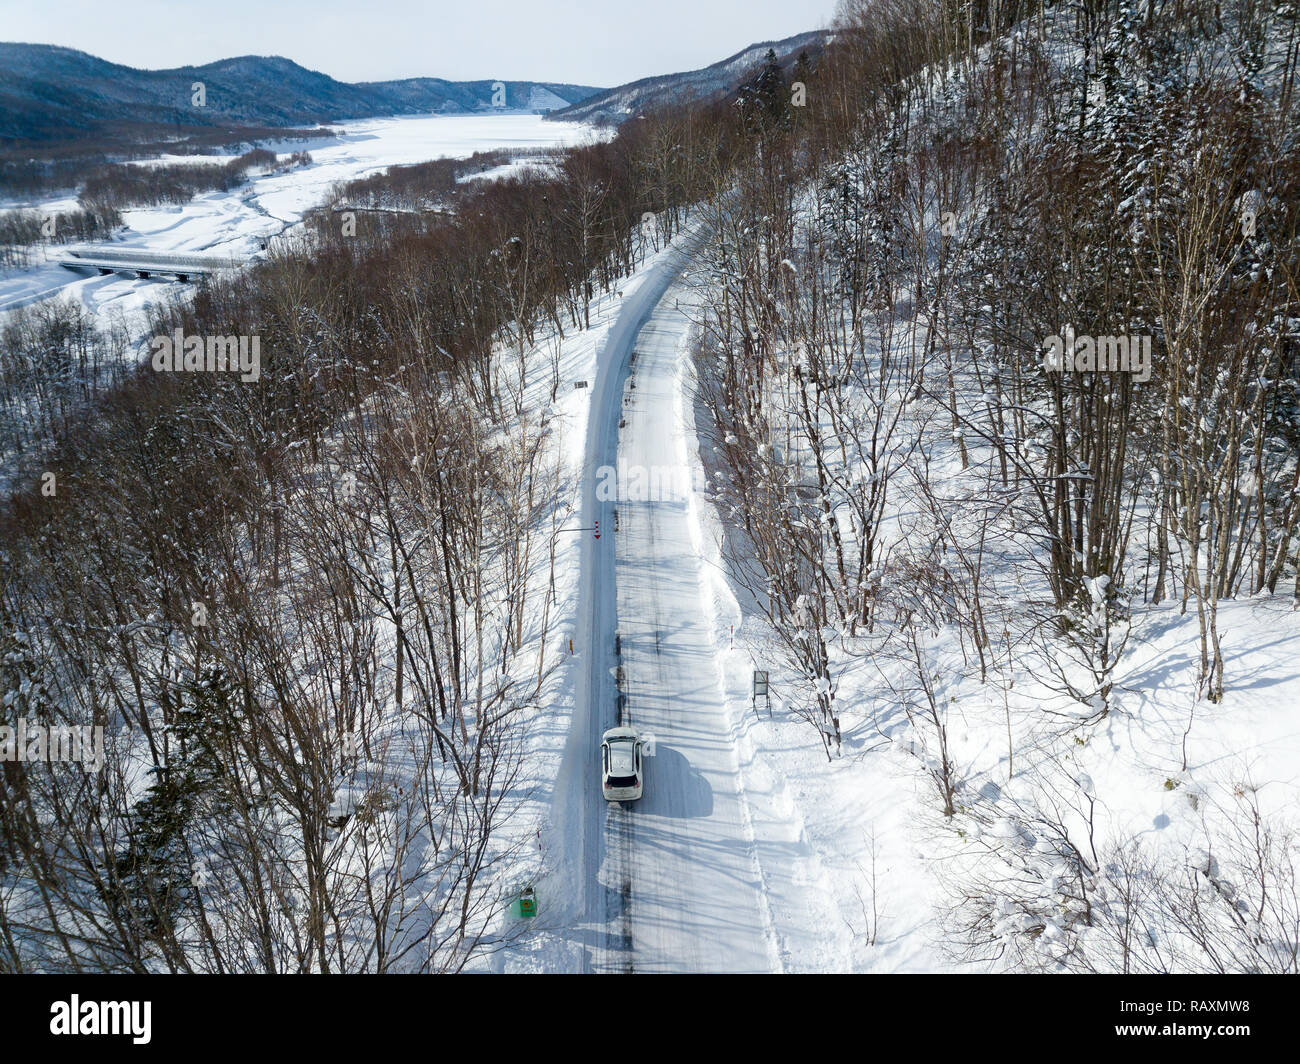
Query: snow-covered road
column 696, row 900
column 669, row 883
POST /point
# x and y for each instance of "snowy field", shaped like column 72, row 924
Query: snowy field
column 236, row 222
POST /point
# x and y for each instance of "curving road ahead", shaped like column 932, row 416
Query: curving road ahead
column 669, row 883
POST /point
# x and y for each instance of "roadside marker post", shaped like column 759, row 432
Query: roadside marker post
column 760, row 691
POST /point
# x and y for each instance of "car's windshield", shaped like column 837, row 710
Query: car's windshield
column 622, row 781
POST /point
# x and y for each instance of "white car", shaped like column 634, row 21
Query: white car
column 622, row 774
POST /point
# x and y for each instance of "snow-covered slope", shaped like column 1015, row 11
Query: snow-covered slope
column 617, row 104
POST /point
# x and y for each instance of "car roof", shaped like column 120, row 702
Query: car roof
column 622, row 762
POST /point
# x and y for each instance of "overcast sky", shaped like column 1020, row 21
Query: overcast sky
column 591, row 42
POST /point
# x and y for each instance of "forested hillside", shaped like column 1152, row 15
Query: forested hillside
column 961, row 543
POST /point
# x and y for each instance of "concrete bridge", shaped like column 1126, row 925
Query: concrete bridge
column 146, row 264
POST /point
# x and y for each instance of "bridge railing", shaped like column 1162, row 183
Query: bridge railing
column 146, row 260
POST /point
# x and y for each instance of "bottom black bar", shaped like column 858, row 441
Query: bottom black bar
column 141, row 1014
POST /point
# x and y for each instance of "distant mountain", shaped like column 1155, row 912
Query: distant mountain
column 711, row 83
column 49, row 93
column 421, row 95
